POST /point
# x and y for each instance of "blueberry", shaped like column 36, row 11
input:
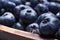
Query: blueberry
column 58, row 1
column 2, row 11
column 23, row 1
column 28, row 16
column 17, row 2
column 34, row 28
column 44, row 15
column 58, row 15
column 28, row 3
column 34, row 3
column 58, row 34
column 43, row 1
column 19, row 8
column 53, row 7
column 18, row 25
column 49, row 26
column 41, row 8
column 8, row 6
column 7, row 19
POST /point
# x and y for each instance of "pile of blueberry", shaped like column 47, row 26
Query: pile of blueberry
column 37, row 16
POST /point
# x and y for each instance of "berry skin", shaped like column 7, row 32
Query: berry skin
column 17, row 2
column 58, row 34
column 34, row 28
column 19, row 8
column 44, row 15
column 49, row 26
column 58, row 15
column 18, row 26
column 7, row 19
column 53, row 7
column 28, row 16
column 41, row 8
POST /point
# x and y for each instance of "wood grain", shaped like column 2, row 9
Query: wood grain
column 20, row 33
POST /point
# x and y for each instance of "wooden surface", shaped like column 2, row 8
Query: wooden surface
column 8, row 33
